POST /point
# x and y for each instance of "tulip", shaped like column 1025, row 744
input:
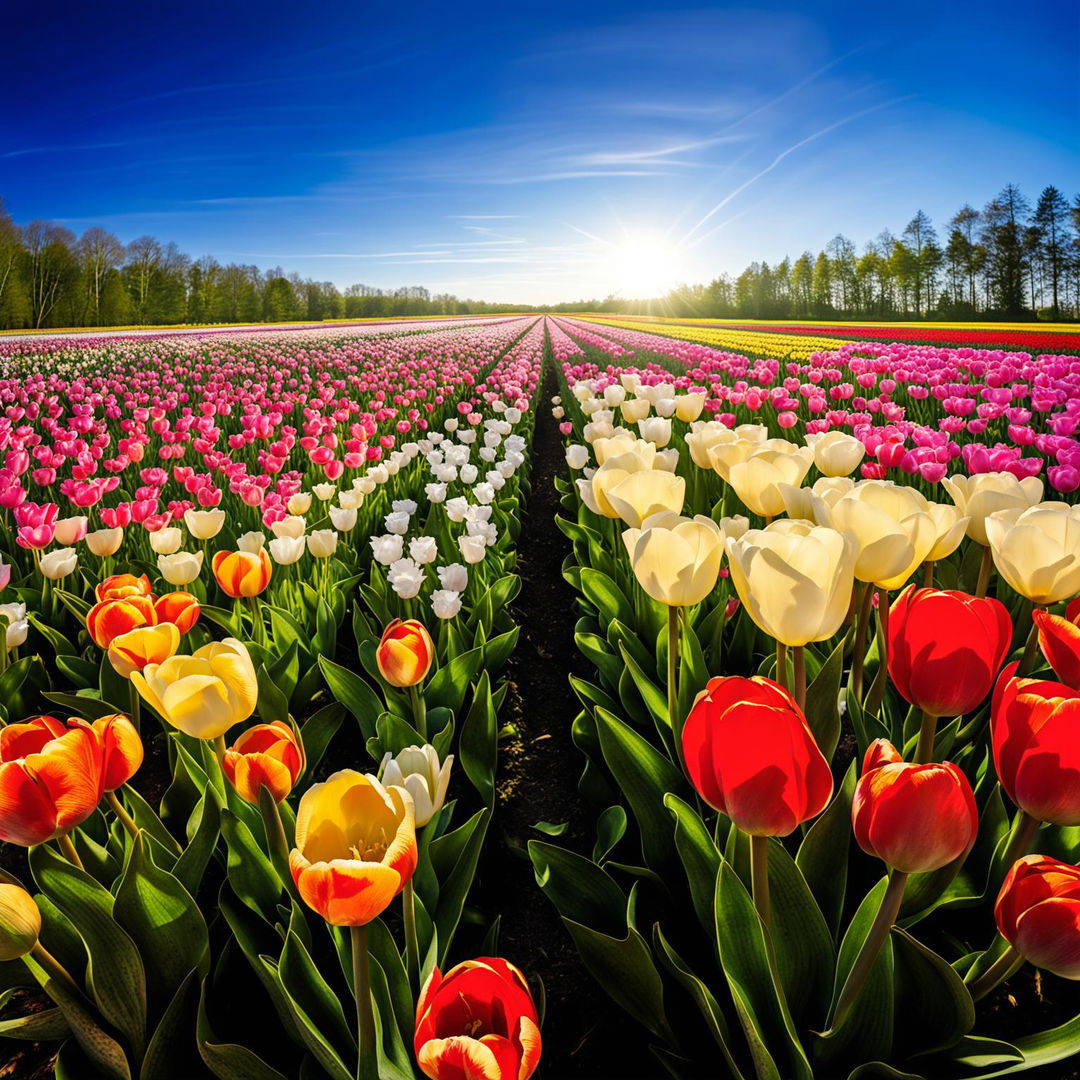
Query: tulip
column 1035, row 734
column 57, row 564
column 950, row 527
column 405, row 653
column 688, row 407
column 676, row 560
column 1059, row 639
column 18, row 626
column 979, row 496
column 445, row 603
column 204, row 524
column 51, row 779
column 479, row 1020
column 70, row 530
column 751, row 755
column 291, row 527
column 180, row 608
column 166, row 541
column 136, row 649
column 121, row 746
column 20, row 922
column 264, row 756
column 322, row 543
column 122, row 587
column 242, row 573
column 355, row 847
column 343, row 519
column 1038, row 914
column 286, row 550
column 1037, row 550
column 756, row 479
column 945, row 650
column 108, row 619
column 472, row 548
column 417, row 769
column 577, row 456
column 644, row 493
column 180, row 568
column 205, row 694
column 915, row 818
column 300, row 503
column 105, row 542
column 835, row 453
column 251, row 542
column 612, row 473
column 795, row 579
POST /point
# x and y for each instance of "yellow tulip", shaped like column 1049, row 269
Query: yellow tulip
column 1037, row 550
column 610, row 474
column 801, row 503
column 892, row 528
column 143, row 646
column 950, row 530
column 355, row 847
column 675, row 559
column 635, row 409
column 624, row 444
column 794, row 578
column 756, row 480
column 688, row 407
column 835, row 453
column 979, row 496
column 20, row 922
column 644, row 493
column 205, row 694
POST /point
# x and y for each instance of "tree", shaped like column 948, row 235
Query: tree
column 52, row 267
column 99, row 253
column 918, row 233
column 1003, row 220
column 1052, row 219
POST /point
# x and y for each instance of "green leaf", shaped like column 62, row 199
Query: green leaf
column 700, row 858
column 823, row 853
column 449, row 685
column 478, row 742
column 579, row 889
column 610, row 829
column 456, row 883
column 354, row 693
column 229, row 1061
column 317, row 731
column 204, row 828
column 251, row 874
column 608, row 599
column 273, row 705
column 48, row 1025
column 317, row 1001
column 172, row 1054
column 822, row 702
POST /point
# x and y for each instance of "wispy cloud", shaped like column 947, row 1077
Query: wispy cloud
column 67, row 149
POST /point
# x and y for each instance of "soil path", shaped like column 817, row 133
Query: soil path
column 585, row 1035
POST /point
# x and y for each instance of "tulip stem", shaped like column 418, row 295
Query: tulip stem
column 419, row 711
column 125, row 818
column 1027, row 661
column 1020, row 843
column 986, row 564
column 257, row 629
column 868, row 954
column 134, row 705
column 412, row 945
column 672, row 683
column 858, row 659
column 781, row 665
column 1000, row 970
column 68, row 849
column 276, row 841
column 759, row 876
column 799, row 660
column 877, row 691
column 928, row 575
column 368, row 1064
column 924, row 749
column 53, row 969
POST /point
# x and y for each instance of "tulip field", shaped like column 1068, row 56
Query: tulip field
column 541, row 696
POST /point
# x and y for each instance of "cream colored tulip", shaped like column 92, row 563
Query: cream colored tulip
column 657, row 429
column 598, row 430
column 644, row 493
column 180, row 568
column 733, row 446
column 611, row 473
column 801, row 503
column 667, row 460
column 983, row 494
column 300, row 503
column 836, row 453
column 59, row 563
column 292, row 527
column 756, row 479
column 688, row 407
column 167, row 541
column 351, row 499
column 322, row 543
column 676, row 560
column 70, row 530
column 736, row 526
column 1037, row 550
column 665, row 407
column 794, row 578
column 624, row 444
column 105, row 542
column 286, row 550
column 951, row 528
column 204, row 524
column 891, row 525
column 703, row 436
column 251, row 542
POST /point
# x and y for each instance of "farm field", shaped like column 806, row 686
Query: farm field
column 499, row 696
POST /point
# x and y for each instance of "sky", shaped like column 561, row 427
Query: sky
column 529, row 152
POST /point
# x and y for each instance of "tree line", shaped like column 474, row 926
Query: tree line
column 1009, row 260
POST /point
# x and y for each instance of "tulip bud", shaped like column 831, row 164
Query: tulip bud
column 417, row 769
column 242, row 573
column 179, row 608
column 166, row 541
column 105, row 542
column 204, row 524
column 915, row 818
column 57, row 564
column 1038, row 913
column 180, row 568
column 266, row 755
column 322, row 543
column 300, row 503
column 20, row 922
column 405, row 653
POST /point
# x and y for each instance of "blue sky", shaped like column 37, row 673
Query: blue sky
column 529, row 152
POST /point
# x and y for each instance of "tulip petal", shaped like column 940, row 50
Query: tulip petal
column 346, row 892
column 27, row 814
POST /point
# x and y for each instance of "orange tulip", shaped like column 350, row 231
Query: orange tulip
column 1038, row 913
column 148, row 645
column 266, row 755
column 355, row 847
column 405, row 653
column 1059, row 639
column 110, row 618
column 242, row 573
column 121, row 586
column 51, row 779
column 915, row 818
column 179, row 608
column 479, row 1020
column 121, row 745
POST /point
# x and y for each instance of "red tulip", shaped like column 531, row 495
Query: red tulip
column 1038, row 913
column 108, row 619
column 478, row 1021
column 751, row 755
column 405, row 653
column 1059, row 639
column 1035, row 733
column 946, row 648
column 178, row 607
column 51, row 779
column 915, row 818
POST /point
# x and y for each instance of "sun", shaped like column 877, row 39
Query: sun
column 643, row 268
